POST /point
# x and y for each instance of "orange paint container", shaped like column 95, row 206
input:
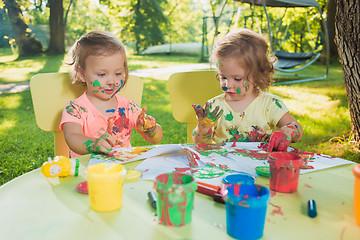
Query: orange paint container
column 356, row 171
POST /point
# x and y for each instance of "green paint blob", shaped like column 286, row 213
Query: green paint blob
column 96, row 83
column 238, row 90
column 209, row 172
column 89, row 145
column 229, row 117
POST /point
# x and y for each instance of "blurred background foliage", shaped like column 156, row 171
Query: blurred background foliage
column 144, row 23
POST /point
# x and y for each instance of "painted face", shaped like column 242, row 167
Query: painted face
column 233, row 79
column 104, row 75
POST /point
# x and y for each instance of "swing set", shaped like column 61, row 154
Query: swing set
column 291, row 63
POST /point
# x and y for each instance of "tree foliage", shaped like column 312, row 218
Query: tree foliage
column 27, row 44
column 141, row 21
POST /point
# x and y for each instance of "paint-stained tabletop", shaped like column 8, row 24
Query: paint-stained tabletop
column 35, row 207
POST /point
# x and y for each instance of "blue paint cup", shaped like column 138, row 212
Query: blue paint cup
column 235, row 179
column 246, row 206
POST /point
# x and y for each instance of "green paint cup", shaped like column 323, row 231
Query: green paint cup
column 175, row 198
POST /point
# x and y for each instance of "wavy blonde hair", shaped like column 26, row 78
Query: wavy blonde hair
column 94, row 43
column 252, row 52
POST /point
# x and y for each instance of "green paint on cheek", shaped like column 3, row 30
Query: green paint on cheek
column 96, row 83
column 246, row 86
column 238, row 90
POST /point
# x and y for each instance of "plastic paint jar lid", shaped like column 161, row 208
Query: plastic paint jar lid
column 263, row 171
column 132, row 175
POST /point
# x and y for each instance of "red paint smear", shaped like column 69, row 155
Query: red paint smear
column 269, row 220
column 263, row 146
column 253, row 154
column 277, row 210
column 308, row 186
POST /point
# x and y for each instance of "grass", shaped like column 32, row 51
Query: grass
column 320, row 106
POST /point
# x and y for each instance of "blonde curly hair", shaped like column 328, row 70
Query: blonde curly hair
column 98, row 43
column 252, row 51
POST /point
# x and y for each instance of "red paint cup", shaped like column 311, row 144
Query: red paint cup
column 284, row 171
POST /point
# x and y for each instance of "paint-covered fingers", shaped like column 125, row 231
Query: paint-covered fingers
column 103, row 144
column 145, row 123
column 199, row 111
column 215, row 115
column 274, row 140
column 110, row 126
column 279, row 141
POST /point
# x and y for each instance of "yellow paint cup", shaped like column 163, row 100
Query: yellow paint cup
column 105, row 186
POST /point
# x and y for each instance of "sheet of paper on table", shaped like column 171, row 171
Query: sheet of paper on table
column 212, row 162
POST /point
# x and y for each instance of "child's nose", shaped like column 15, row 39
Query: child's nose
column 110, row 80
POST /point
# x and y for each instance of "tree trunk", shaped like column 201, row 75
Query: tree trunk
column 347, row 26
column 57, row 33
column 27, row 44
column 137, row 25
column 330, row 22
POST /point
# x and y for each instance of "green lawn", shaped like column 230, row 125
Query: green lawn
column 320, row 106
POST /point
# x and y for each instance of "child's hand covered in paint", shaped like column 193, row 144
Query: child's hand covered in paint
column 281, row 139
column 206, row 117
column 145, row 123
column 103, row 144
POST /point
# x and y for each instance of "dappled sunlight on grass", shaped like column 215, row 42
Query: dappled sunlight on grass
column 7, row 58
column 10, row 102
column 6, row 124
column 306, row 102
column 22, row 69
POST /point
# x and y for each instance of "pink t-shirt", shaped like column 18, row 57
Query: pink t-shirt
column 95, row 124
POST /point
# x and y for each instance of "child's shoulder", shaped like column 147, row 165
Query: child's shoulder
column 270, row 100
column 82, row 99
column 218, row 98
column 124, row 101
column 267, row 96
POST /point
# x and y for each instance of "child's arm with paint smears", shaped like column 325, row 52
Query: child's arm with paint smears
column 290, row 130
column 81, row 144
column 203, row 132
column 148, row 128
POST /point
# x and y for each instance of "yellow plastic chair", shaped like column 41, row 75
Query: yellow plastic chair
column 187, row 88
column 51, row 91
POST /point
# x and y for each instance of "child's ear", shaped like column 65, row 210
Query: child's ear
column 80, row 73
